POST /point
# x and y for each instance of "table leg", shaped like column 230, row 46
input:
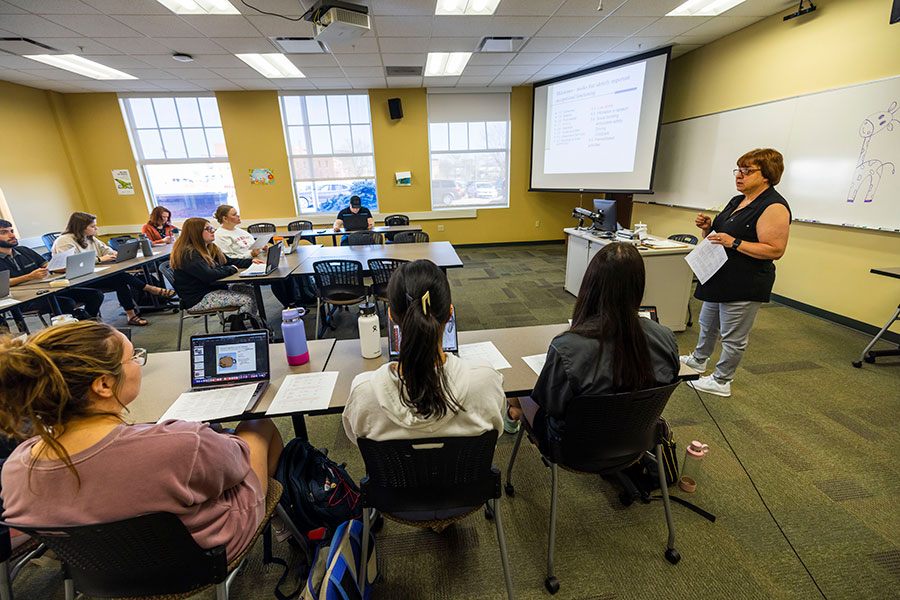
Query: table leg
column 257, row 289
column 869, row 357
column 299, row 423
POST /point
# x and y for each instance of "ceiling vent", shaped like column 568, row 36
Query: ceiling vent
column 500, row 44
column 298, row 45
column 403, row 71
column 21, row 46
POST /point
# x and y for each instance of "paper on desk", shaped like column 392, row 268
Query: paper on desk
column 208, row 405
column 58, row 261
column 262, row 240
column 536, row 362
column 98, row 269
column 8, row 302
column 660, row 244
column 304, row 392
column 484, row 352
column 706, row 259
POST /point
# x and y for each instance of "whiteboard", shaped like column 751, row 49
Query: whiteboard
column 841, row 152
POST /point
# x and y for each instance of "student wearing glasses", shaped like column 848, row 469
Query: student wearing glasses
column 753, row 228
column 199, row 263
column 66, row 389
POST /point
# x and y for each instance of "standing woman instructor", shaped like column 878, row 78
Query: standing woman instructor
column 753, row 228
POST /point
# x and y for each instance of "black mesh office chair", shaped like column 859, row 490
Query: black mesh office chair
column 193, row 313
column 338, row 283
column 12, row 560
column 411, row 237
column 433, row 481
column 148, row 556
column 364, row 238
column 686, row 238
column 603, row 435
column 381, row 270
column 300, row 225
column 392, row 220
column 261, row 228
column 49, row 238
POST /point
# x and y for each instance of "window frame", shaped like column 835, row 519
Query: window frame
column 308, row 139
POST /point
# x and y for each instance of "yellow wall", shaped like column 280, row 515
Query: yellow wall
column 35, row 170
column 843, row 42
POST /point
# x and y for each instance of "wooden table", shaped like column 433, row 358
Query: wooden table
column 314, row 233
column 440, row 253
column 868, row 355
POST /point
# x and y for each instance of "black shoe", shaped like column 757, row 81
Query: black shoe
column 81, row 314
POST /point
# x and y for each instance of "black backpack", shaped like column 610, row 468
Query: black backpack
column 243, row 322
column 317, row 491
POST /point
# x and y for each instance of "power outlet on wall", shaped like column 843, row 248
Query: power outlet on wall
column 537, row 223
column 440, row 227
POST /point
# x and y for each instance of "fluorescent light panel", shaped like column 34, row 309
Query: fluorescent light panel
column 466, row 7
column 446, row 64
column 273, row 66
column 79, row 65
column 703, row 8
column 200, row 7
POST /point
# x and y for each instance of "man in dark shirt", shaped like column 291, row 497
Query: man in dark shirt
column 26, row 265
column 355, row 208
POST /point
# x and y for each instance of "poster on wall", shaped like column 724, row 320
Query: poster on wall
column 122, row 179
column 261, row 176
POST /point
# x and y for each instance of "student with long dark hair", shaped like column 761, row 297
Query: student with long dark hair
column 80, row 236
column 426, row 393
column 608, row 349
column 65, row 390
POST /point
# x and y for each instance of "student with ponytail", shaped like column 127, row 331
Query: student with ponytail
column 65, row 389
column 426, row 393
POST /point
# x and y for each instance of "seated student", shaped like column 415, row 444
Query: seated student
column 79, row 236
column 355, row 208
column 198, row 263
column 607, row 349
column 67, row 387
column 426, row 393
column 25, row 265
column 235, row 242
column 159, row 229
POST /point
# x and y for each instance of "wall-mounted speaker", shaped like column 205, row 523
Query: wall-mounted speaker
column 395, row 108
column 895, row 12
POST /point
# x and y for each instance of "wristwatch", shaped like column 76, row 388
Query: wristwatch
column 735, row 244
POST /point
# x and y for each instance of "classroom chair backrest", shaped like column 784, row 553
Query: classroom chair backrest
column 117, row 241
column 684, row 238
column 429, row 474
column 261, row 228
column 364, row 238
column 338, row 273
column 168, row 273
column 610, row 431
column 300, row 225
column 49, row 238
column 411, row 237
column 382, row 268
column 396, row 220
column 148, row 555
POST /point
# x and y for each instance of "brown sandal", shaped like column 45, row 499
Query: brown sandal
column 138, row 321
column 161, row 292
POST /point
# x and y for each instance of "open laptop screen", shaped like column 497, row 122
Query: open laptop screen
column 450, row 341
column 356, row 222
column 229, row 357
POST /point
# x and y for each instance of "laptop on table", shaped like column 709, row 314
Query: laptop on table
column 357, row 222
column 127, row 251
column 4, row 285
column 77, row 265
column 220, row 360
column 273, row 257
column 450, row 342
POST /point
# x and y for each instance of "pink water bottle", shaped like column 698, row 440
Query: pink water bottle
column 294, row 336
column 690, row 466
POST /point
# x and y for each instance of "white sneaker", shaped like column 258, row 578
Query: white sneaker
column 709, row 385
column 689, row 360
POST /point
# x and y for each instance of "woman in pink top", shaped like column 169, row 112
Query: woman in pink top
column 67, row 387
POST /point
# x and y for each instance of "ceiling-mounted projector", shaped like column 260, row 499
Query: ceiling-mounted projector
column 338, row 22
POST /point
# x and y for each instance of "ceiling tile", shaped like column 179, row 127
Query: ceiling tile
column 519, row 70
column 213, row 60
column 221, row 25
column 647, row 8
column 399, row 44
column 191, row 45
column 233, row 73
column 23, row 76
column 313, row 60
column 169, row 26
column 135, row 45
column 128, row 7
column 553, row 71
column 682, row 49
column 695, row 39
column 465, row 80
column 574, row 58
column 403, row 26
column 274, row 26
column 616, row 26
column 296, row 84
column 242, row 45
column 433, row 82
column 33, row 26
column 566, row 27
column 761, row 8
column 147, row 74
column 359, row 60
column 320, row 72
column 491, row 58
column 535, row 8
column 188, row 74
column 362, row 46
column 77, row 45
column 364, row 72
column 404, row 60
column 454, row 44
column 508, row 81
column 514, row 26
column 178, row 85
column 9, row 9
column 533, row 58
column 288, row 8
column 452, row 26
column 368, row 82
column 404, row 82
column 10, row 61
column 53, row 74
column 326, row 83
column 588, row 8
column 721, row 26
column 54, row 7
column 138, row 86
column 482, row 71
column 672, row 26
column 93, row 25
column 404, row 8
column 547, row 44
column 598, row 44
column 119, row 61
column 641, row 44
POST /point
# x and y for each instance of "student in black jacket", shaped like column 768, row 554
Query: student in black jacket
column 199, row 264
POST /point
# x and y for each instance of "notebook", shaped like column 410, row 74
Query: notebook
column 450, row 343
column 259, row 269
column 220, row 360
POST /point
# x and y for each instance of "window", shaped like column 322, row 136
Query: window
column 179, row 145
column 329, row 142
column 468, row 135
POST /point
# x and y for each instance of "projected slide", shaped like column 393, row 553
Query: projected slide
column 593, row 122
column 236, row 358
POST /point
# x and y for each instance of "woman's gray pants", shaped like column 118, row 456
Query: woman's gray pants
column 731, row 320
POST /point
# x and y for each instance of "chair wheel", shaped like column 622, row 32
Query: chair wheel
column 870, row 360
column 488, row 512
column 510, row 490
column 672, row 556
column 857, row 364
column 552, row 584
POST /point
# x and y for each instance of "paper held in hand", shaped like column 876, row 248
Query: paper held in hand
column 706, row 259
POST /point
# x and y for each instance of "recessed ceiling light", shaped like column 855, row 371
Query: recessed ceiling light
column 446, row 64
column 466, row 7
column 79, row 65
column 703, row 8
column 200, row 7
column 500, row 44
column 273, row 66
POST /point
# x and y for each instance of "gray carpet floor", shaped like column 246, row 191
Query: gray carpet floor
column 802, row 476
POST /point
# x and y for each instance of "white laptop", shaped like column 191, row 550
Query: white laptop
column 77, row 265
column 260, row 269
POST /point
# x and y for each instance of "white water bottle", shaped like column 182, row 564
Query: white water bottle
column 369, row 331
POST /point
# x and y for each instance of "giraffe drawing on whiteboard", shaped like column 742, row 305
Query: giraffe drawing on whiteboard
column 868, row 172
